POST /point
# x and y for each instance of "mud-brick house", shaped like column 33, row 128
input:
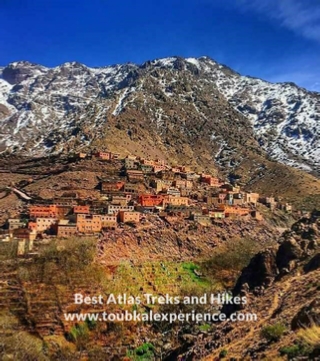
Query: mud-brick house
column 183, row 183
column 132, row 188
column 32, row 225
column 135, row 175
column 103, row 155
column 175, row 201
column 146, row 169
column 217, row 214
column 151, row 200
column 23, row 233
column 185, row 192
column 210, row 180
column 112, row 185
column 229, row 188
column 173, row 192
column 175, row 169
column 251, row 198
column 160, row 162
column 285, row 207
column 45, row 223
column 160, row 184
column 185, row 169
column 65, row 230
column 159, row 168
column 108, row 221
column 14, row 223
column 229, row 199
column 270, row 202
column 212, row 200
column 116, row 208
column 81, row 209
column 81, row 155
column 147, row 162
column 257, row 215
column 178, row 211
column 131, row 163
column 238, row 199
column 121, row 199
column 214, row 213
column 232, row 211
column 88, row 223
column 200, row 218
column 48, row 211
column 129, row 216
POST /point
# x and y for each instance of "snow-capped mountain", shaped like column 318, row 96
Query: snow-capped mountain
column 44, row 109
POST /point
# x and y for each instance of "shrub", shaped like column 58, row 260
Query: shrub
column 273, row 332
column 223, row 353
column 144, row 352
column 290, row 351
column 301, row 348
column 79, row 335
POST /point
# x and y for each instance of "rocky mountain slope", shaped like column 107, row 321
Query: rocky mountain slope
column 282, row 286
column 184, row 104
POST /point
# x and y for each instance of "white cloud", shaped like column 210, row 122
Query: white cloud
column 301, row 16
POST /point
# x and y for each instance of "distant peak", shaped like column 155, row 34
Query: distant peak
column 73, row 64
column 22, row 63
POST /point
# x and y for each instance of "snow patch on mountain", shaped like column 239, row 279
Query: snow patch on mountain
column 36, row 101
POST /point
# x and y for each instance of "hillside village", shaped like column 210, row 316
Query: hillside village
column 143, row 188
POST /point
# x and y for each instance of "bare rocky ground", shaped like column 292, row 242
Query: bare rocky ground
column 282, row 286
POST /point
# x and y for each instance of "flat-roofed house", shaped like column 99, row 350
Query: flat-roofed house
column 151, row 200
column 135, row 175
column 45, row 223
column 175, row 201
column 67, row 230
column 129, row 216
column 108, row 221
column 89, row 223
column 15, row 223
column 116, row 208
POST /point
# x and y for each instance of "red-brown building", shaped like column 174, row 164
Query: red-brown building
column 151, row 200
column 81, row 210
column 32, row 225
column 49, row 211
column 43, row 211
column 211, row 181
column 234, row 211
column 103, row 155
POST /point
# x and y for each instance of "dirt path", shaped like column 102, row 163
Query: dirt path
column 275, row 304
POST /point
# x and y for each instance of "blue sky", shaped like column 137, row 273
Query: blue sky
column 277, row 40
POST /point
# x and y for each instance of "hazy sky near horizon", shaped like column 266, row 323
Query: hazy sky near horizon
column 277, row 40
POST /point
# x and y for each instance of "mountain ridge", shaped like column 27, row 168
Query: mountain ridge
column 283, row 116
